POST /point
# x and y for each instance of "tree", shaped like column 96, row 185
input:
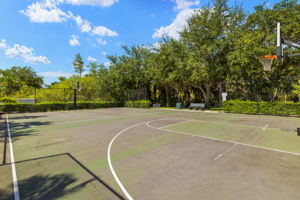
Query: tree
column 78, row 65
column 207, row 38
column 255, row 38
column 14, row 79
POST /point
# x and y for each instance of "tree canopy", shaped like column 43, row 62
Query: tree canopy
column 217, row 51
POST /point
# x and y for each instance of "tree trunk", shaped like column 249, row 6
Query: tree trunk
column 188, row 97
column 206, row 93
column 167, row 96
column 154, row 92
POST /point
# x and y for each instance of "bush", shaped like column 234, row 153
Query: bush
column 248, row 107
column 55, row 106
column 272, row 108
column 8, row 100
column 138, row 104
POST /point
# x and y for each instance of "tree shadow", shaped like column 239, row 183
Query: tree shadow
column 55, row 186
column 43, row 187
column 19, row 129
column 5, row 194
column 24, row 116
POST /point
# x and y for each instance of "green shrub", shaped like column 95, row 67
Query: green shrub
column 55, row 106
column 8, row 100
column 138, row 104
column 18, row 107
column 273, row 108
column 280, row 108
column 248, row 107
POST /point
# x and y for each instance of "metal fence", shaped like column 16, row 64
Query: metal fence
column 61, row 95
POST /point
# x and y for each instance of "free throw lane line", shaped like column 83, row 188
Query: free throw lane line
column 13, row 166
column 128, row 196
column 220, row 140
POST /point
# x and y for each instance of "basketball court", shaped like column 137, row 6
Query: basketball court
column 122, row 153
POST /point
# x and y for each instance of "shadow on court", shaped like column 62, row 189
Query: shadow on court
column 24, row 116
column 44, row 187
column 20, row 129
column 5, row 195
column 61, row 185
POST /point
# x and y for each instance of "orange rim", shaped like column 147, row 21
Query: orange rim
column 271, row 57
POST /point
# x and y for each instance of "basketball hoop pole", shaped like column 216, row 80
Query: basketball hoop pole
column 75, row 96
column 279, row 44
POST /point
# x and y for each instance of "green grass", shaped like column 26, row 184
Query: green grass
column 269, row 137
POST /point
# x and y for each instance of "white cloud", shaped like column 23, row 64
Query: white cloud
column 91, row 59
column 26, row 53
column 107, row 64
column 156, row 45
column 184, row 4
column 45, row 11
column 103, row 31
column 74, row 41
column 103, row 3
column 180, row 21
column 48, row 11
column 3, row 44
column 85, row 26
column 104, row 53
column 85, row 73
column 176, row 26
column 55, row 74
column 101, row 41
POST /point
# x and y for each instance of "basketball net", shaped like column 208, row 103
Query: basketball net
column 267, row 62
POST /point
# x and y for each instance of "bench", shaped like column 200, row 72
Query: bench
column 156, row 105
column 197, row 106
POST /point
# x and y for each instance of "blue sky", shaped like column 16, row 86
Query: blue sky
column 46, row 34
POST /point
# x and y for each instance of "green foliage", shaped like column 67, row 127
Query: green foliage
column 217, row 49
column 296, row 90
column 8, row 100
column 56, row 106
column 138, row 104
column 14, row 79
column 248, row 107
column 78, row 64
column 272, row 108
column 280, row 108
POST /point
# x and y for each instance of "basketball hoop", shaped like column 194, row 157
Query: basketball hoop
column 267, row 61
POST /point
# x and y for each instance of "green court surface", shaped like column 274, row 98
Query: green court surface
column 124, row 153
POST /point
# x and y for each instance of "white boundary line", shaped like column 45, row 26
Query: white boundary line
column 225, row 152
column 129, row 197
column 220, row 140
column 12, row 160
column 162, row 127
column 233, row 124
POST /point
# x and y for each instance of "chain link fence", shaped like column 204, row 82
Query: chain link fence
column 61, row 95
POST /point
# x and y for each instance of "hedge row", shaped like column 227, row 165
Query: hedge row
column 8, row 100
column 138, row 104
column 55, row 106
column 272, row 108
